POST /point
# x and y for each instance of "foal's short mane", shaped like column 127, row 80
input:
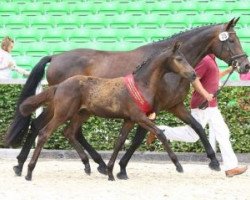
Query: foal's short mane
column 148, row 60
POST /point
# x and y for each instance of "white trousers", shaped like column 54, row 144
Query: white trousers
column 217, row 128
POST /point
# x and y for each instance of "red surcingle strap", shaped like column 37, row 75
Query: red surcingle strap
column 136, row 95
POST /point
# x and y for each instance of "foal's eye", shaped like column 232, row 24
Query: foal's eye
column 179, row 59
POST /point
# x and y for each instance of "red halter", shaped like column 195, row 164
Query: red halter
column 136, row 94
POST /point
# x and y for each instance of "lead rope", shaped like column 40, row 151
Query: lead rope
column 204, row 104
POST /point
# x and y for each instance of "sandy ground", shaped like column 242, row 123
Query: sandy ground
column 65, row 179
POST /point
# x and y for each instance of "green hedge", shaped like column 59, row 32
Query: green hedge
column 102, row 133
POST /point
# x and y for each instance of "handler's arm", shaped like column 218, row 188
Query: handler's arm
column 13, row 66
column 226, row 71
column 201, row 90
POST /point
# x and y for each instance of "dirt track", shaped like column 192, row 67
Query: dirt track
column 65, row 179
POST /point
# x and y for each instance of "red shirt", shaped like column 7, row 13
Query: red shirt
column 208, row 72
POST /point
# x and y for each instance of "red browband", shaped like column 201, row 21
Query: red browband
column 136, row 95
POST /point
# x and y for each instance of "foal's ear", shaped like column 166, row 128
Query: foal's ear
column 177, row 46
column 231, row 23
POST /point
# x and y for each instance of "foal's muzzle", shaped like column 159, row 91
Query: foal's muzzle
column 192, row 77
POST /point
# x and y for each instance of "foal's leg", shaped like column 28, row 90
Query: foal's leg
column 102, row 168
column 151, row 127
column 71, row 132
column 43, row 136
column 36, row 125
column 137, row 140
column 126, row 128
column 181, row 112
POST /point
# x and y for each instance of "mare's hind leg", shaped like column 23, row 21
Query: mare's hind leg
column 36, row 125
column 43, row 136
column 151, row 127
column 71, row 132
column 126, row 128
column 102, row 168
column 137, row 140
column 181, row 112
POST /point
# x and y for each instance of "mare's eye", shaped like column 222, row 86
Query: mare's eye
column 231, row 40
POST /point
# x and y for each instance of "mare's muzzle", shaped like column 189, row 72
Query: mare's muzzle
column 242, row 67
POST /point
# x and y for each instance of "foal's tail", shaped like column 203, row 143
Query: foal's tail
column 20, row 124
column 30, row 104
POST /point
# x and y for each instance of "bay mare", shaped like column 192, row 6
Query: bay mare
column 197, row 43
column 79, row 97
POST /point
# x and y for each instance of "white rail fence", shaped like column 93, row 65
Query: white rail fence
column 39, row 89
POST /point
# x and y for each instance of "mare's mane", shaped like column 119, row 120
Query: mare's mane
column 185, row 33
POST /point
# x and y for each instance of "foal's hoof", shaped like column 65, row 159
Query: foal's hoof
column 179, row 168
column 111, row 178
column 87, row 171
column 28, row 178
column 214, row 165
column 122, row 176
column 17, row 170
column 102, row 169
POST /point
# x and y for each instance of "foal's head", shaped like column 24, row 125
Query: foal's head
column 176, row 62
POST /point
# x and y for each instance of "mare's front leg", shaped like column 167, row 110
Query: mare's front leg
column 137, row 140
column 181, row 112
column 36, row 125
column 126, row 128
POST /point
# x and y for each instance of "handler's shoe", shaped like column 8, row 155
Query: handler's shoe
column 236, row 171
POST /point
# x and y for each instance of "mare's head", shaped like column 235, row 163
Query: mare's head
column 177, row 63
column 226, row 46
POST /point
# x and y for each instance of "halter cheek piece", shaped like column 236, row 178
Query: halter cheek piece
column 224, row 36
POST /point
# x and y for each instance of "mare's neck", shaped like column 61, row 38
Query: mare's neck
column 196, row 43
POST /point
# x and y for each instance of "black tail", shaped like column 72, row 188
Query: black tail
column 20, row 124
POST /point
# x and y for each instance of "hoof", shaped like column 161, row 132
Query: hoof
column 179, row 169
column 122, row 176
column 111, row 178
column 17, row 170
column 28, row 178
column 87, row 168
column 87, row 171
column 102, row 169
column 214, row 165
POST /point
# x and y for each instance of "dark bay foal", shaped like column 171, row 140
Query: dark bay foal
column 131, row 98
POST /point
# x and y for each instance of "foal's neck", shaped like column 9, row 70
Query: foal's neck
column 149, row 75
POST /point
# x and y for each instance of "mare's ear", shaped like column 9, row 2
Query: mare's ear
column 231, row 23
column 235, row 21
column 177, row 46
